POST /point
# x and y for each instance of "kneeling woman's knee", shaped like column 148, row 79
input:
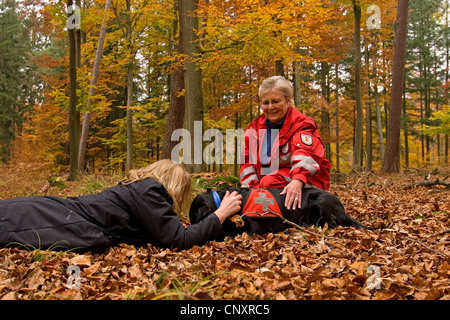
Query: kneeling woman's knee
column 273, row 181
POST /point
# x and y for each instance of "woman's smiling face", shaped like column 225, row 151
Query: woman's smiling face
column 274, row 105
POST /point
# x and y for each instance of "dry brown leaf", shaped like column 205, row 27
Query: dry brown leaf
column 237, row 220
column 81, row 260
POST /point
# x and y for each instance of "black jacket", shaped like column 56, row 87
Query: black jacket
column 137, row 213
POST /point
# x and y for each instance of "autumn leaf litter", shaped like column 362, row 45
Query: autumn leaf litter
column 408, row 258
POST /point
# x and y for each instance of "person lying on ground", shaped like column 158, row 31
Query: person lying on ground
column 137, row 211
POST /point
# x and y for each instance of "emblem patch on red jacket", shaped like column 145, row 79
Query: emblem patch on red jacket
column 306, row 139
column 259, row 204
column 285, row 148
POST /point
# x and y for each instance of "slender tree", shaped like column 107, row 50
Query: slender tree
column 94, row 78
column 368, row 150
column 192, row 79
column 73, row 118
column 128, row 25
column 447, row 64
column 391, row 161
column 177, row 101
column 358, row 144
column 376, row 95
column 337, row 117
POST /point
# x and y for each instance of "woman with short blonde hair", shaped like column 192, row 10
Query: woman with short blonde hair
column 171, row 175
column 138, row 211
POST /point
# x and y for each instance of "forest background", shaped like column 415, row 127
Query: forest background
column 100, row 85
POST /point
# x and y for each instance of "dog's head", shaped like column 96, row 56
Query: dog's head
column 204, row 203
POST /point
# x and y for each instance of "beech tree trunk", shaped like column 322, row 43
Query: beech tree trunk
column 369, row 155
column 296, row 80
column 177, row 106
column 94, row 77
column 337, row 118
column 391, row 161
column 192, row 80
column 129, row 120
column 73, row 125
column 358, row 144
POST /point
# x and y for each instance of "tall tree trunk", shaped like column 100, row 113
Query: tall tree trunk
column 369, row 155
column 337, row 118
column 93, row 83
column 279, row 68
column 378, row 110
column 73, row 125
column 79, row 40
column 422, row 136
column 357, row 149
column 405, row 128
column 177, row 104
column 447, row 44
column 193, row 81
column 427, row 96
column 296, row 80
column 324, row 113
column 129, row 120
column 379, row 124
column 391, row 161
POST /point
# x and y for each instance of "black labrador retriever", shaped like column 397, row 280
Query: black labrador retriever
column 261, row 209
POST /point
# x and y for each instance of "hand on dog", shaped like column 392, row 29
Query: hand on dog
column 231, row 203
column 293, row 193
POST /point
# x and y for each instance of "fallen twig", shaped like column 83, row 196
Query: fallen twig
column 419, row 242
column 428, row 183
column 293, row 224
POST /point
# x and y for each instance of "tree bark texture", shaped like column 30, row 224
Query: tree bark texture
column 391, row 161
column 94, row 77
column 73, row 125
column 358, row 144
column 177, row 107
column 192, row 80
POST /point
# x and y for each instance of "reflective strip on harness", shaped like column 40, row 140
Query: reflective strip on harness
column 259, row 204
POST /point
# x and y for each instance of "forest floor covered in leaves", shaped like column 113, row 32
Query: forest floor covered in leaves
column 407, row 258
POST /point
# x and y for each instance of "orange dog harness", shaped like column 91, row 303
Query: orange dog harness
column 260, row 203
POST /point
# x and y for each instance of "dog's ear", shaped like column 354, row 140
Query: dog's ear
column 202, row 205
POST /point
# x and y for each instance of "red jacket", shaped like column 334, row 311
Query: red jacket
column 300, row 154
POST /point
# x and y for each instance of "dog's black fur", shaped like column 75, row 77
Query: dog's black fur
column 317, row 208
